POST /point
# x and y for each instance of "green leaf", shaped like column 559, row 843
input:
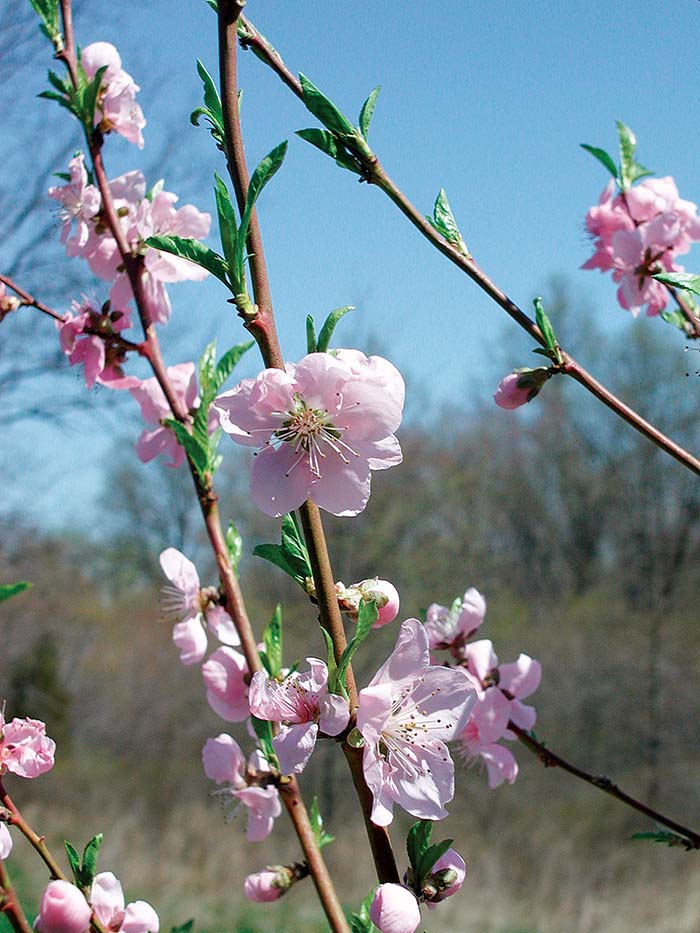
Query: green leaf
column 674, row 317
column 546, row 329
column 360, row 921
column 272, row 640
column 214, row 4
column 189, row 925
column 228, row 227
column 8, row 590
column 63, row 86
column 311, row 345
column 366, row 617
column 291, row 555
column 89, row 867
column 198, row 454
column 263, row 730
column 189, row 248
column 206, row 368
column 73, row 860
column 212, row 101
column 429, row 858
column 687, row 281
column 88, row 100
column 367, row 111
column 322, row 837
column 228, row 363
column 47, row 11
column 260, row 177
column 234, row 545
column 444, row 222
column 275, row 555
column 417, row 842
column 602, row 156
column 60, row 99
column 322, row 139
column 324, row 337
column 324, row 110
column 666, row 837
column 630, row 170
column 330, row 662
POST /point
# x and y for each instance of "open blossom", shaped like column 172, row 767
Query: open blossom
column 321, row 426
column 107, row 899
column 80, row 203
column 451, row 627
column 394, row 909
column 63, row 909
column 225, row 763
column 638, row 234
column 191, row 609
column 406, row 715
column 154, row 407
column 5, row 841
column 25, row 749
column 116, row 103
column 225, row 680
column 304, row 707
column 84, row 336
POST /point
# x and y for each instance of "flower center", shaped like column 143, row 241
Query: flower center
column 312, row 432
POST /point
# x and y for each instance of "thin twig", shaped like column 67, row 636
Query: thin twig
column 30, row 301
column 376, row 175
column 10, row 906
column 551, row 760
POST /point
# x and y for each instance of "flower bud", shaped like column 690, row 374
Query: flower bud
column 520, row 387
column 394, row 909
column 268, row 885
column 384, row 595
column 63, row 909
column 446, row 877
column 5, row 841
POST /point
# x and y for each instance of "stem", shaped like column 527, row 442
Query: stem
column 551, row 760
column 262, row 326
column 378, row 836
column 31, row 302
column 693, row 328
column 376, row 175
column 10, row 907
column 317, row 867
column 328, row 609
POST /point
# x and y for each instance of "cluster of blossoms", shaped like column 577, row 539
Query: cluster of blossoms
column 25, row 750
column 500, row 688
column 639, row 232
column 320, row 427
column 116, row 108
column 64, row 909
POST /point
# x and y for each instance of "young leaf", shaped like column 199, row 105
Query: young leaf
column 330, row 662
column 189, row 248
column 325, row 111
column 366, row 618
column 60, row 99
column 311, row 345
column 212, row 101
column 260, row 177
column 444, row 222
column 429, row 858
column 89, row 866
column 189, row 926
column 206, row 368
column 294, row 547
column 47, row 11
column 263, row 730
column 687, row 281
column 228, row 363
column 73, row 860
column 322, row 139
column 275, row 555
column 417, row 842
column 228, row 228
column 546, row 329
column 198, row 454
column 675, row 317
column 360, row 921
column 7, row 590
column 234, row 545
column 602, row 156
column 272, row 640
column 630, row 170
column 322, row 837
column 88, row 100
column 324, row 337
column 666, row 837
column 367, row 111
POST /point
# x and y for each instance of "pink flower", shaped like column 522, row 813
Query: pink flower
column 321, row 426
column 269, row 885
column 406, row 714
column 80, row 203
column 25, row 749
column 224, row 677
column 116, row 104
column 154, row 407
column 224, row 763
column 394, row 909
column 304, row 706
column 487, row 724
column 85, row 338
column 63, row 909
column 5, row 841
column 107, row 899
column 383, row 593
column 189, row 607
column 517, row 681
column 445, row 879
column 450, row 628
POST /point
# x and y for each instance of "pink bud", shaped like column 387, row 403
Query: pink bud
column 510, row 395
column 386, row 597
column 63, row 909
column 394, row 909
column 5, row 841
column 268, row 885
column 446, row 876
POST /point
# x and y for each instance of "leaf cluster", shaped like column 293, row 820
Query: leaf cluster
column 422, row 856
column 290, row 555
column 84, row 872
column 629, row 170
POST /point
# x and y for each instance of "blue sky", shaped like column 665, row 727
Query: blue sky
column 488, row 100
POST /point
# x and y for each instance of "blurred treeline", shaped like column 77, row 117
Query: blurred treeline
column 585, row 541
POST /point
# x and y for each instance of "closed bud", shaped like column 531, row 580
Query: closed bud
column 63, row 909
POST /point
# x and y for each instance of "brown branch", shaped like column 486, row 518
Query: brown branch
column 375, row 174
column 551, row 760
column 30, row 301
